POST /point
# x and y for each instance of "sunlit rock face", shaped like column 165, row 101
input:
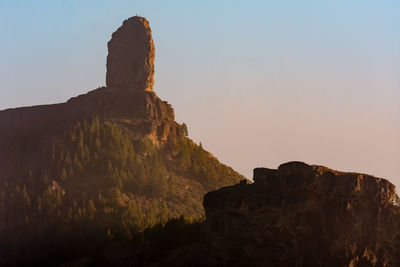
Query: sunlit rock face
column 302, row 215
column 130, row 60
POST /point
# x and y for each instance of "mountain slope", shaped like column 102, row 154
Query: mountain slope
column 102, row 166
column 295, row 215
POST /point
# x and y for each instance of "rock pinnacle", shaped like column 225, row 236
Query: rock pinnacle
column 130, row 60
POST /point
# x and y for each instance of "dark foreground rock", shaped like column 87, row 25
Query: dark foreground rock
column 302, row 215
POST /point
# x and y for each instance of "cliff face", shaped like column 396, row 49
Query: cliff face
column 26, row 130
column 131, row 53
column 301, row 215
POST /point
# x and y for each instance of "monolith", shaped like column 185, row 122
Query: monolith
column 130, row 60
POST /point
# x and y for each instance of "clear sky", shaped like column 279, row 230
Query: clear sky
column 259, row 83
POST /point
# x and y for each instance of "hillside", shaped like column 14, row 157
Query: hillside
column 103, row 166
column 295, row 215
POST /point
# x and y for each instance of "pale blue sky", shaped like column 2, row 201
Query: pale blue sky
column 259, row 83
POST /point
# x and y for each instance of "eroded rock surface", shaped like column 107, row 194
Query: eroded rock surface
column 130, row 60
column 302, row 215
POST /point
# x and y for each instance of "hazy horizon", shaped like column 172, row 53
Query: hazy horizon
column 258, row 83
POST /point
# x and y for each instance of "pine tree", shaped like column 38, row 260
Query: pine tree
column 184, row 129
column 63, row 174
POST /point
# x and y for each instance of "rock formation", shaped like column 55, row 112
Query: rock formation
column 297, row 215
column 301, row 215
column 53, row 162
column 130, row 60
column 128, row 95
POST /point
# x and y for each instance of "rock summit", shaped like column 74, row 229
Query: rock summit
column 130, row 60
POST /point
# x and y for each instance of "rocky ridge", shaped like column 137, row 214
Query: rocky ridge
column 302, row 215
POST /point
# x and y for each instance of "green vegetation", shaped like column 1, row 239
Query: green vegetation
column 202, row 166
column 98, row 184
column 185, row 129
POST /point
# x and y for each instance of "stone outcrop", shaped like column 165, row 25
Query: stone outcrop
column 130, row 60
column 127, row 100
column 302, row 215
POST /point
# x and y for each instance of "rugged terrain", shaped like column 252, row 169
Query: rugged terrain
column 100, row 168
column 101, row 179
column 296, row 215
column 302, row 215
